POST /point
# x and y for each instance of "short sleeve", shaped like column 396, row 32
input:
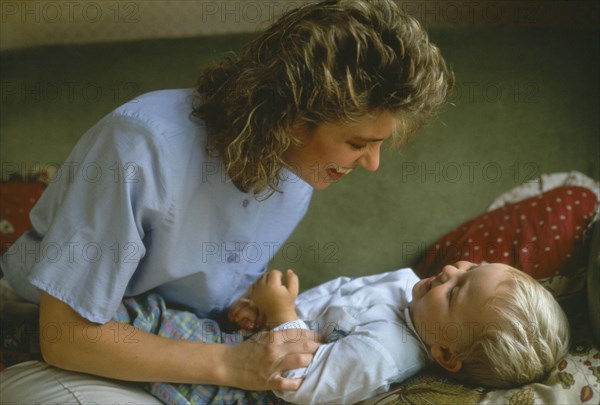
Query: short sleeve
column 93, row 218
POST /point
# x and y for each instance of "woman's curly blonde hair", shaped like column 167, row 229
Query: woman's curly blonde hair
column 334, row 61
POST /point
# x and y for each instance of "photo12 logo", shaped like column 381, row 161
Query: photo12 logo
column 475, row 12
column 468, row 172
column 245, row 11
column 52, row 12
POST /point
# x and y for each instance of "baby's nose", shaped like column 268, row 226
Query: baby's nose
column 447, row 271
column 441, row 278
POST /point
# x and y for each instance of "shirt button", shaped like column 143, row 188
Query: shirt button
column 245, row 203
column 231, row 258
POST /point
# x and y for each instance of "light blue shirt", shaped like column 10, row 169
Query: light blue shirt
column 372, row 342
column 140, row 205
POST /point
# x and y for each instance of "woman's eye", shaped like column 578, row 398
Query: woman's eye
column 356, row 146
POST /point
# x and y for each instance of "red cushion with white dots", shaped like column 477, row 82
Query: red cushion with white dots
column 541, row 235
column 17, row 200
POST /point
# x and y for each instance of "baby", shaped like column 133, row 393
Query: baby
column 486, row 324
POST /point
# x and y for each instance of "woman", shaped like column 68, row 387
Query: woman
column 171, row 191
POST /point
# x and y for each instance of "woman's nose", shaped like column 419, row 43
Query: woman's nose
column 370, row 159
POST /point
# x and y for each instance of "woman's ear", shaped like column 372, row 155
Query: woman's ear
column 446, row 357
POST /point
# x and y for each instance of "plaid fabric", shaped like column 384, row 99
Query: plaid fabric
column 149, row 313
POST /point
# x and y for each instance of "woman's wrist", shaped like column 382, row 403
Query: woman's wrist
column 223, row 374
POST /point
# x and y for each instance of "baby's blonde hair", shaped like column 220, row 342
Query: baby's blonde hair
column 529, row 337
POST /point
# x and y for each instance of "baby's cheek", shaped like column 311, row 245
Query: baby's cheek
column 419, row 312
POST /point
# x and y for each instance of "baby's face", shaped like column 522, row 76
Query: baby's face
column 448, row 309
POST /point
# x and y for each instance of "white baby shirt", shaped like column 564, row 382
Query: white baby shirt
column 371, row 339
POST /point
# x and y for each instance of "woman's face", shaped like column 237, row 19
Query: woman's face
column 330, row 151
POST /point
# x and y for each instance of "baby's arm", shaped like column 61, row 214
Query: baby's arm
column 268, row 300
column 275, row 300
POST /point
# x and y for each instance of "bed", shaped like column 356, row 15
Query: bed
column 574, row 280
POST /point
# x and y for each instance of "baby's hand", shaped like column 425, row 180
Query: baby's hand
column 274, row 299
column 245, row 313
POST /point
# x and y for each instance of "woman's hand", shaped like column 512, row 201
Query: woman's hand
column 257, row 363
column 274, row 299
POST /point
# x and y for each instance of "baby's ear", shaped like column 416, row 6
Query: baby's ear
column 446, row 357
